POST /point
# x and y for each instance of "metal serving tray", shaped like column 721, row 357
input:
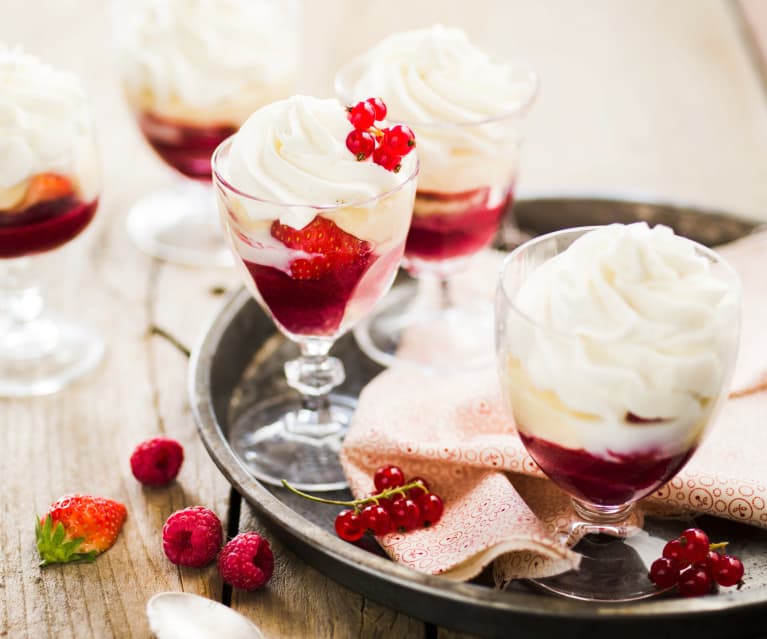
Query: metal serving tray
column 239, row 361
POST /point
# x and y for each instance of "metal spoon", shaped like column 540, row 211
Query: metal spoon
column 180, row 615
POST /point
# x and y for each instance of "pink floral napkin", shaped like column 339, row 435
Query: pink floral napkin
column 455, row 431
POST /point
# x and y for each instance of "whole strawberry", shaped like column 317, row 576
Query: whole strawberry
column 157, row 461
column 77, row 528
column 246, row 562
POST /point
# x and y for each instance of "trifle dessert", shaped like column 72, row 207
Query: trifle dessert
column 193, row 71
column 317, row 222
column 466, row 110
column 49, row 174
column 49, row 188
column 614, row 354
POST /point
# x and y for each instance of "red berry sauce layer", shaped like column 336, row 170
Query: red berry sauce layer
column 600, row 481
column 44, row 226
column 440, row 231
column 312, row 298
column 185, row 147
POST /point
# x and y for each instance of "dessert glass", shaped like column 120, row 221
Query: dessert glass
column 313, row 298
column 192, row 72
column 604, row 452
column 462, row 198
column 49, row 198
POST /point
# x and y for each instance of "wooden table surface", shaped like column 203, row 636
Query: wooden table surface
column 649, row 97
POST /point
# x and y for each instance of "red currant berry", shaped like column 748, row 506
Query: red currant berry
column 386, row 158
column 431, row 509
column 675, row 550
column 362, row 116
column 379, row 106
column 694, row 582
column 388, row 477
column 400, row 139
column 710, row 562
column 348, row 525
column 376, row 520
column 405, row 514
column 384, row 502
column 728, row 571
column 695, row 543
column 417, row 491
column 361, row 143
column 664, row 572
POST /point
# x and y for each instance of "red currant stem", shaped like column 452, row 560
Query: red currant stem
column 718, row 546
column 355, row 503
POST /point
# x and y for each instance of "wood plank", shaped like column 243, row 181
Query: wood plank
column 299, row 602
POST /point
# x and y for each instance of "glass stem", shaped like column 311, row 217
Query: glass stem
column 445, row 295
column 314, row 374
column 21, row 305
column 616, row 521
column 20, row 298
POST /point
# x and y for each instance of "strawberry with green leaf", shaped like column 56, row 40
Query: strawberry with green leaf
column 78, row 528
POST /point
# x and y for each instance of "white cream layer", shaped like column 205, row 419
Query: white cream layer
column 437, row 81
column 204, row 62
column 44, row 127
column 629, row 319
column 294, row 151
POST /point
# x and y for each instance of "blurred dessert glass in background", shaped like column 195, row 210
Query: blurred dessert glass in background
column 193, row 71
column 49, row 189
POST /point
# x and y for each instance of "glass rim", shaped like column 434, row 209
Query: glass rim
column 710, row 254
column 220, row 179
column 344, row 95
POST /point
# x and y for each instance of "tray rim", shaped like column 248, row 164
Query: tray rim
column 312, row 538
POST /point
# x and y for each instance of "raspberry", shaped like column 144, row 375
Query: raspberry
column 246, row 562
column 156, row 462
column 192, row 536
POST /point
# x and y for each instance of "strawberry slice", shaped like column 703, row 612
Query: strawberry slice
column 330, row 247
column 77, row 528
column 45, row 187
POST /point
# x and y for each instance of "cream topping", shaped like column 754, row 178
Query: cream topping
column 629, row 320
column 294, row 152
column 439, row 82
column 197, row 58
column 44, row 124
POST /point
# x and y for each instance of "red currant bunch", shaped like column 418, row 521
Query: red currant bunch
column 398, row 505
column 695, row 565
column 387, row 146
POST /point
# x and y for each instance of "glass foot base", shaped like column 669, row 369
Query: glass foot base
column 279, row 439
column 179, row 225
column 60, row 353
column 407, row 329
column 616, row 569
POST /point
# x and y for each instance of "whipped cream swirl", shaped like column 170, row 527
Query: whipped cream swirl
column 293, row 152
column 630, row 321
column 198, row 60
column 437, row 81
column 44, row 120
